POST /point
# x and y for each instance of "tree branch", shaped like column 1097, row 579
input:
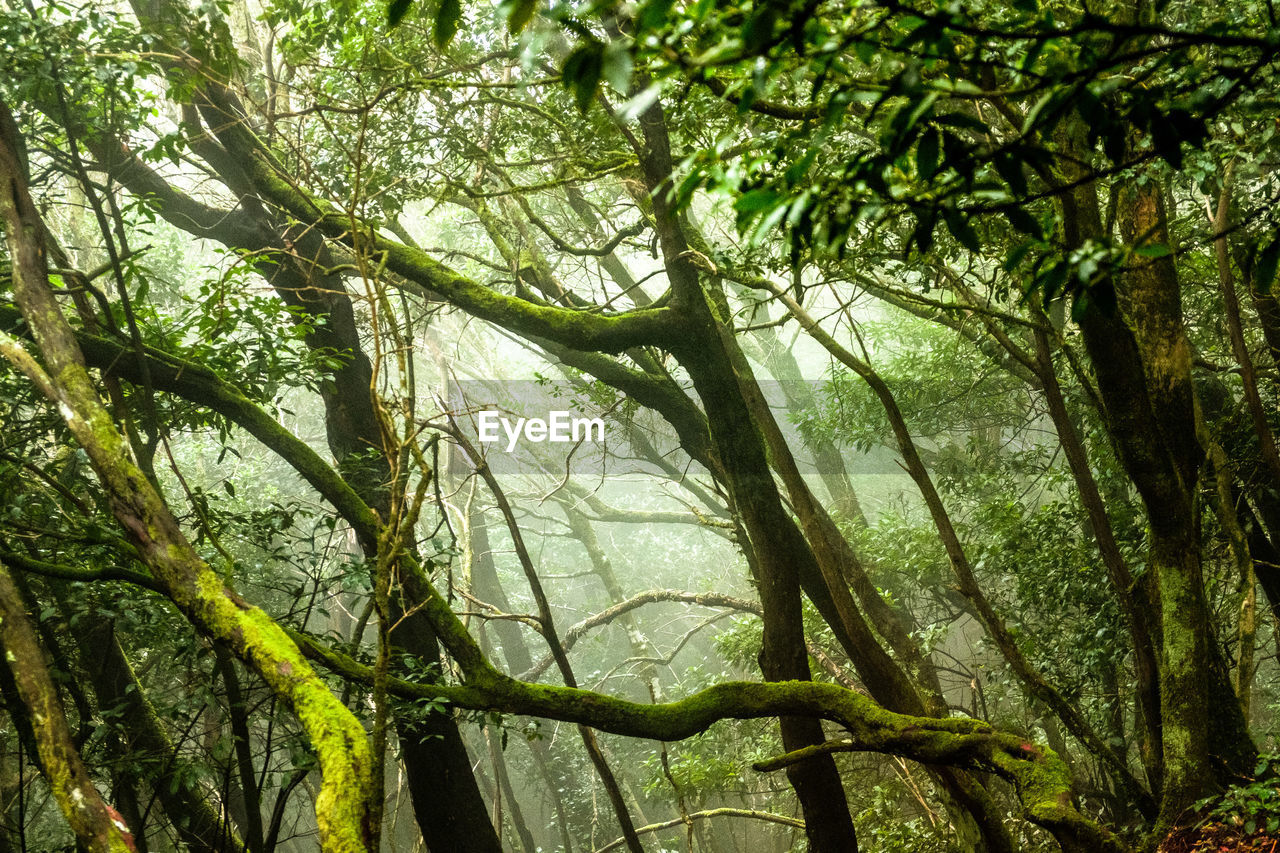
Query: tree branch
column 703, row 815
column 604, row 617
column 1040, row 776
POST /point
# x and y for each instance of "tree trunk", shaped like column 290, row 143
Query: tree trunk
column 1140, row 354
column 774, row 539
column 91, row 819
column 187, row 806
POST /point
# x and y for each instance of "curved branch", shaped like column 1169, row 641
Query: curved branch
column 578, row 329
column 786, row 112
column 64, row 572
column 703, row 815
column 576, row 632
column 1039, row 775
column 779, row 762
column 83, row 807
column 202, row 386
column 336, row 735
column 1033, row 681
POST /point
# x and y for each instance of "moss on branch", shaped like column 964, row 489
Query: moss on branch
column 1040, row 776
column 336, row 735
column 82, row 575
column 78, row 799
column 581, row 330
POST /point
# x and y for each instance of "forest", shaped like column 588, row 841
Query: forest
column 639, row 425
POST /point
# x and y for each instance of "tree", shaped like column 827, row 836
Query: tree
column 318, row 214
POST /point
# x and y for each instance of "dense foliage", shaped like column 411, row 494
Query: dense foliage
column 935, row 348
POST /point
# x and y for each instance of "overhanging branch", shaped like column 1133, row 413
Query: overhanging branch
column 1040, row 776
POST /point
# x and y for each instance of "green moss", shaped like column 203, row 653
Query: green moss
column 581, row 330
column 1038, row 773
column 336, row 736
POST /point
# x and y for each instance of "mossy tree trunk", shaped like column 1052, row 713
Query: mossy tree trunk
column 775, row 540
column 1135, row 603
column 117, row 688
column 1142, row 360
column 90, row 818
column 296, row 262
column 335, row 734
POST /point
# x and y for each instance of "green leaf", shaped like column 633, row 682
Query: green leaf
column 1016, row 255
column 616, row 67
column 796, row 217
column 758, row 30
column 1080, row 307
column 1033, row 114
column 956, row 153
column 756, row 201
column 687, row 187
column 1010, row 168
column 581, row 72
column 654, row 14
column 447, row 18
column 1020, row 219
column 1166, row 139
column 1051, row 281
column 960, row 228
column 396, row 10
column 1264, row 274
column 897, row 134
column 519, row 13
column 927, row 154
column 922, row 236
column 1104, row 296
column 1190, row 129
column 767, row 223
column 1113, row 141
column 1090, row 106
column 797, row 170
column 922, row 108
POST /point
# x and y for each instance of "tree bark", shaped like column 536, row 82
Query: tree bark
column 774, row 539
column 1131, row 595
column 187, row 806
column 198, row 592
column 91, row 819
column 1142, row 361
